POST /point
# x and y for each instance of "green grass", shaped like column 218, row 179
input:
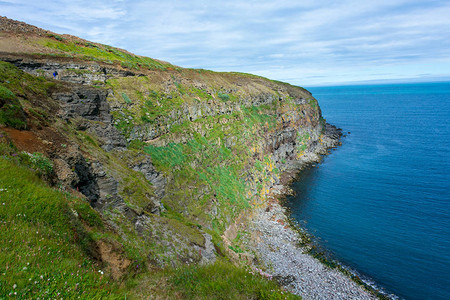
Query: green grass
column 214, row 169
column 168, row 156
column 11, row 111
column 210, row 161
column 6, row 94
column 103, row 53
column 37, row 161
column 20, row 83
column 313, row 102
column 204, row 171
column 302, row 143
column 222, row 280
column 17, row 90
column 224, row 180
column 12, row 115
column 56, row 37
column 46, row 252
column 195, row 166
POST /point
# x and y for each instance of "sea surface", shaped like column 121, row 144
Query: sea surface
column 380, row 203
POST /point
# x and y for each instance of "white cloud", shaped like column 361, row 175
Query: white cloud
column 285, row 40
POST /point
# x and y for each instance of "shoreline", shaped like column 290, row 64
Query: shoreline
column 285, row 250
column 315, row 249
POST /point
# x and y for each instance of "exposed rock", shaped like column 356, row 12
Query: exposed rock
column 107, row 185
column 87, row 181
column 145, row 166
column 91, row 105
column 182, row 242
column 208, row 253
column 86, row 102
column 64, row 172
column 86, row 73
column 108, row 135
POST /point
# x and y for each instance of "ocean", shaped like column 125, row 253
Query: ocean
column 380, row 203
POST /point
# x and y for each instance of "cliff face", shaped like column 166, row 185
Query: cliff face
column 169, row 157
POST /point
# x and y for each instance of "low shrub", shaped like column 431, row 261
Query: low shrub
column 223, row 96
column 41, row 164
column 5, row 95
column 11, row 112
column 126, row 98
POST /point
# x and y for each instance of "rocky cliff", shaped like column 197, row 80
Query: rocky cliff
column 172, row 159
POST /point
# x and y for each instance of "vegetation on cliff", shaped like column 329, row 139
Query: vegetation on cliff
column 146, row 165
column 50, row 249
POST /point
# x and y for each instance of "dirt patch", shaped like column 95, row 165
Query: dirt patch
column 10, row 43
column 112, row 255
column 26, row 140
column 46, row 140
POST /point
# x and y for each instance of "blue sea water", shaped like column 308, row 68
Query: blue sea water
column 380, row 203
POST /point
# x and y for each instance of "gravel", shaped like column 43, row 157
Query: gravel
column 276, row 245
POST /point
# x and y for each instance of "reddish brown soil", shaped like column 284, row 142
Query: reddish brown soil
column 25, row 140
column 112, row 255
column 46, row 140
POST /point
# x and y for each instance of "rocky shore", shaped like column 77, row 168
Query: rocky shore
column 278, row 246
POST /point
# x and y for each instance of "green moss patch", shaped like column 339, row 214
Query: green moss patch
column 137, row 192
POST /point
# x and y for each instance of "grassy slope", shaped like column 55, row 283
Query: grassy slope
column 48, row 238
column 102, row 53
column 46, row 249
column 21, row 93
column 220, row 280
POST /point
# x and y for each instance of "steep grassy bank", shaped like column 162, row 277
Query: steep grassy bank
column 48, row 240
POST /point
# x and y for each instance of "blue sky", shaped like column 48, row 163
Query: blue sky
column 303, row 42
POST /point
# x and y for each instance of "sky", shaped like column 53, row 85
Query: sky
column 303, row 42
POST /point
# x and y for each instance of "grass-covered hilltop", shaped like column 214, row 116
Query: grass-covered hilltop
column 125, row 176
